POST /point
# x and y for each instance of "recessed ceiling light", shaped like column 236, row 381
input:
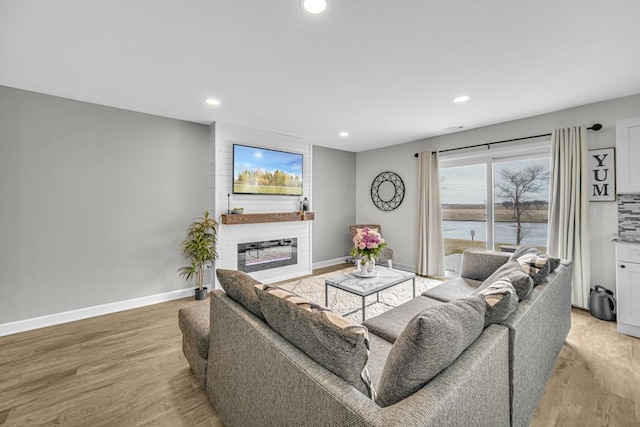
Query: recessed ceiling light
column 212, row 102
column 314, row 6
column 463, row 98
column 344, row 134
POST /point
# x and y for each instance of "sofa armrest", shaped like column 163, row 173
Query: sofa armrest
column 255, row 377
column 479, row 264
column 541, row 322
column 473, row 391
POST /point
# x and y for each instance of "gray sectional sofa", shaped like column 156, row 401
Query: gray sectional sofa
column 256, row 377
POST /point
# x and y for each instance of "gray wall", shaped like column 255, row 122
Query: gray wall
column 400, row 225
column 94, row 202
column 334, row 176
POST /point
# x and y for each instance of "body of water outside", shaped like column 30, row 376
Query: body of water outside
column 505, row 232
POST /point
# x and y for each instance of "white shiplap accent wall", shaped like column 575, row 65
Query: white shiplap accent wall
column 223, row 136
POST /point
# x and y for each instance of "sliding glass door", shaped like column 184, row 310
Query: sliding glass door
column 497, row 202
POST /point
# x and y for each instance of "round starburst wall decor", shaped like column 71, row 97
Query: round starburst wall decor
column 387, row 191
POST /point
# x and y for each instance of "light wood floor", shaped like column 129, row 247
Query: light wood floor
column 596, row 380
column 127, row 369
column 122, row 369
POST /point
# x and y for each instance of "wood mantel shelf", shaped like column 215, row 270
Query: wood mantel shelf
column 256, row 218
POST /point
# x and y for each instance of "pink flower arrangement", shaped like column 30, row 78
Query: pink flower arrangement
column 367, row 243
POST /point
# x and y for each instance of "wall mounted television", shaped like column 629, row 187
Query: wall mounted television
column 263, row 171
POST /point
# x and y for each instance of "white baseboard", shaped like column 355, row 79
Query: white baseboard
column 84, row 313
column 627, row 329
column 330, row 262
column 405, row 267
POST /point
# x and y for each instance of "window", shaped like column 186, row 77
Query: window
column 463, row 194
column 494, row 202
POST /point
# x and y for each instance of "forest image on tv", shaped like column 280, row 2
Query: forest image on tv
column 262, row 171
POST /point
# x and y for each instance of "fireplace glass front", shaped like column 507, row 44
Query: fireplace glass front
column 257, row 256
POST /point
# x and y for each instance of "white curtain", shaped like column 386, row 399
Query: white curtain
column 569, row 201
column 430, row 238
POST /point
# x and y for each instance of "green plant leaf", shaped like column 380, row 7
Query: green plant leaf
column 199, row 247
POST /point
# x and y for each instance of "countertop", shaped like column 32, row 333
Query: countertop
column 620, row 239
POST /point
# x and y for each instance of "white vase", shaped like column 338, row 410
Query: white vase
column 363, row 266
column 371, row 265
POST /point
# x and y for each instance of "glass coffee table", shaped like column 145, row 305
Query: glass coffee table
column 365, row 286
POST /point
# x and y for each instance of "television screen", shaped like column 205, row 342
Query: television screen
column 263, row 171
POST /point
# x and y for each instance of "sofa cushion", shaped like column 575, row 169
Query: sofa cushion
column 521, row 281
column 239, row 286
column 431, row 342
column 194, row 324
column 390, row 324
column 501, row 300
column 456, row 288
column 379, row 351
column 478, row 264
column 338, row 344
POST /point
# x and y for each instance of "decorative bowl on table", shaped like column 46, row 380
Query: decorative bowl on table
column 365, row 273
column 237, row 211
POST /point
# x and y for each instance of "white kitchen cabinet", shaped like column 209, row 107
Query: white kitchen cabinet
column 628, row 155
column 628, row 288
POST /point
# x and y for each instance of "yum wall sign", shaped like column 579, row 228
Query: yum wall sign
column 602, row 179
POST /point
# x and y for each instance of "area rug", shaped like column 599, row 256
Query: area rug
column 342, row 302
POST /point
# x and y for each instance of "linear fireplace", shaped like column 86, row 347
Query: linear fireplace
column 257, row 256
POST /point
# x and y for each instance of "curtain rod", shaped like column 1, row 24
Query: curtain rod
column 595, row 127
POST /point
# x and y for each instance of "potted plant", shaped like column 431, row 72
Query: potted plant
column 200, row 248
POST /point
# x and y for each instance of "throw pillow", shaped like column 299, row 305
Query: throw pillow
column 553, row 263
column 501, row 300
column 429, row 343
column 338, row 344
column 535, row 266
column 526, row 249
column 520, row 280
column 239, row 286
column 359, row 230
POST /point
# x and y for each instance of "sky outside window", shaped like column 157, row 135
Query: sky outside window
column 466, row 184
column 463, row 185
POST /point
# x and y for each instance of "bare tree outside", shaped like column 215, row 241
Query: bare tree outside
column 518, row 189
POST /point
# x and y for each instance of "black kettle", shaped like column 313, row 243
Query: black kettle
column 602, row 304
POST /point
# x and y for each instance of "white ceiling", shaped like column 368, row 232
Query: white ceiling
column 385, row 71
